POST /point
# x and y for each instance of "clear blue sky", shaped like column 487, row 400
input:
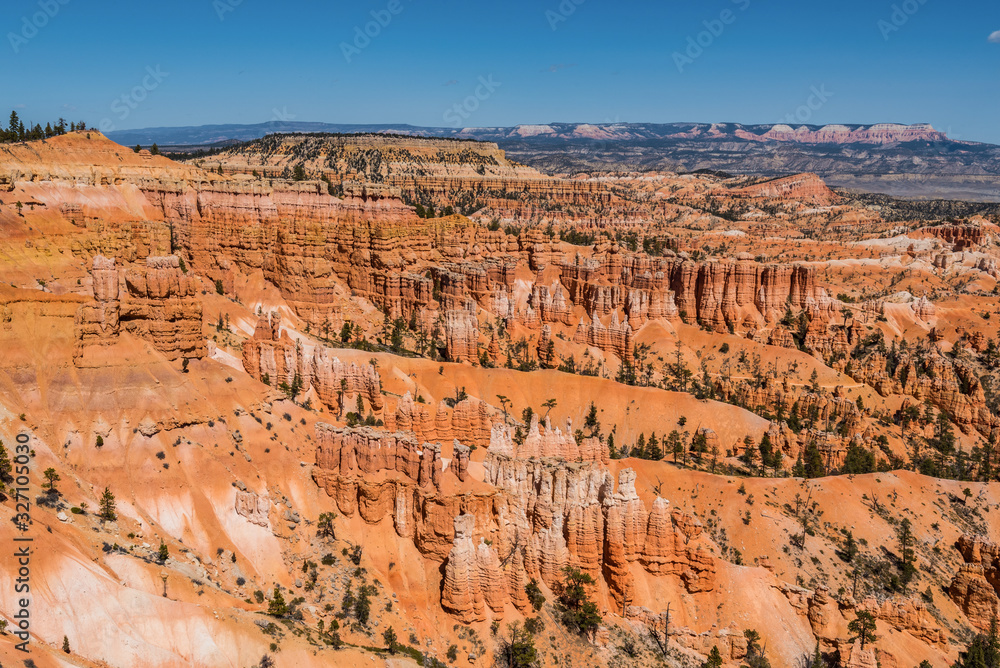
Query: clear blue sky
column 607, row 61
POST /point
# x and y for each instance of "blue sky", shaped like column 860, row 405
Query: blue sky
column 193, row 62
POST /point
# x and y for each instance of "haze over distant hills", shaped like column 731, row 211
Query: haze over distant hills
column 902, row 160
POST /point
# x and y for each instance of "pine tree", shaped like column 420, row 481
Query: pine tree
column 850, row 548
column 653, row 451
column 108, row 510
column 983, row 652
column 389, row 638
column 591, row 422
column 863, row 628
column 814, row 461
column 799, row 470
column 163, row 553
column 51, row 478
column 766, row 453
column 65, row 645
column 817, row 660
column 5, row 466
column 794, row 422
column 749, row 453
column 576, row 609
column 324, row 526
column 906, row 556
column 714, row 658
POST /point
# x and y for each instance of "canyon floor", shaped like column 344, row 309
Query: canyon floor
column 341, row 384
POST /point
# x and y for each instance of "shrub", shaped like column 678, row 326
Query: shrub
column 535, row 596
column 534, row 625
column 277, row 606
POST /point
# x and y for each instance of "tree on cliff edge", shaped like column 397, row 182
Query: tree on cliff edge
column 863, row 628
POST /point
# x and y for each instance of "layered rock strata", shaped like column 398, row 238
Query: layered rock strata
column 271, row 355
column 155, row 302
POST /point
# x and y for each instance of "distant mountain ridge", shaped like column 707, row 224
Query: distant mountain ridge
column 881, row 133
column 914, row 161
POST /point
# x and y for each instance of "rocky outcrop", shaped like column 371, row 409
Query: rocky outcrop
column 546, row 349
column 671, row 548
column 253, row 507
column 802, row 187
column 460, row 461
column 720, row 295
column 962, row 237
column 910, row 616
column 155, row 302
column 786, row 400
column 536, row 514
column 550, row 304
column 975, row 596
column 615, row 338
column 927, row 375
column 462, row 592
column 470, row 421
column 976, row 586
column 368, row 452
column 552, row 443
column 271, row 356
column 461, row 336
